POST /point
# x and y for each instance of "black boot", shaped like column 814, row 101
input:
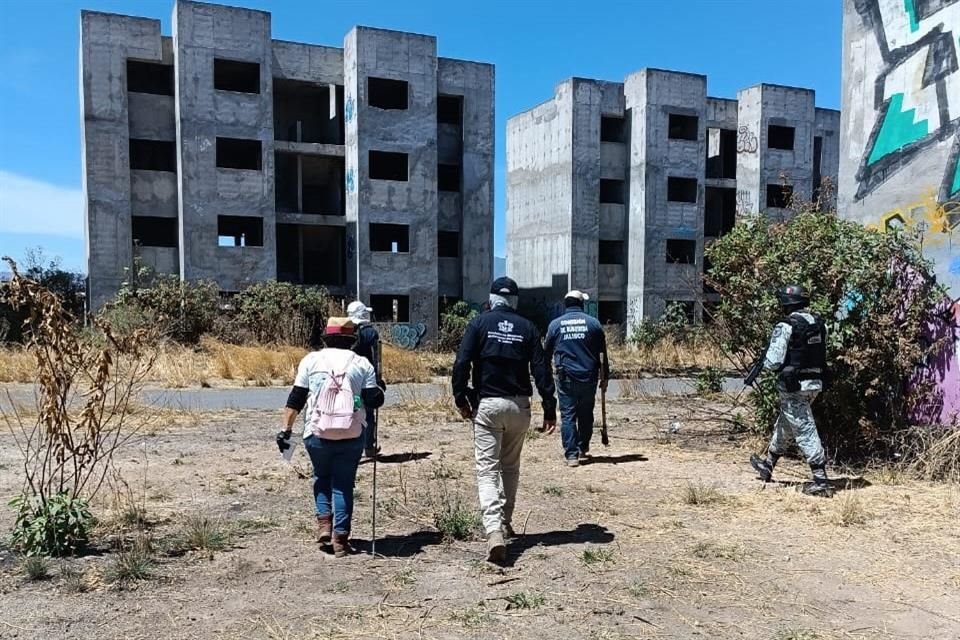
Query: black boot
column 820, row 486
column 764, row 466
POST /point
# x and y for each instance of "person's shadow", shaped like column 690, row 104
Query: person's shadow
column 584, row 533
column 399, row 458
column 403, row 546
column 628, row 457
column 837, row 484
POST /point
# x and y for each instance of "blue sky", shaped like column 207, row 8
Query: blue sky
column 533, row 43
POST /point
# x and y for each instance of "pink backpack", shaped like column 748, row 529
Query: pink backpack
column 334, row 416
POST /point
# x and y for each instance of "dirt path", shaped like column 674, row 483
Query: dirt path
column 664, row 535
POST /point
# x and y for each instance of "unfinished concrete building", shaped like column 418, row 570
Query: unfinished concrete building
column 223, row 154
column 615, row 188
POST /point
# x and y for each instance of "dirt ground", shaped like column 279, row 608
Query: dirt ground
column 666, row 534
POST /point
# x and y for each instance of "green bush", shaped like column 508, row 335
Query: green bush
column 184, row 311
column 710, row 381
column 60, row 525
column 453, row 324
column 278, row 312
column 877, row 295
column 68, row 286
column 673, row 322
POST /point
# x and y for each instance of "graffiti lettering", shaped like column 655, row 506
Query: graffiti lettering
column 916, row 90
column 933, row 221
column 744, row 203
column 746, row 140
column 408, row 336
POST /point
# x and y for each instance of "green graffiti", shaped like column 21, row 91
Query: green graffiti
column 912, row 13
column 955, row 187
column 897, row 131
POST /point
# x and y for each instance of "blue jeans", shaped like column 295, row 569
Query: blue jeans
column 370, row 431
column 577, row 400
column 334, row 475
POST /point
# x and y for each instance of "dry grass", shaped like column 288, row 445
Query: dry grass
column 261, row 365
column 178, row 367
column 17, row 365
column 667, row 356
column 403, row 365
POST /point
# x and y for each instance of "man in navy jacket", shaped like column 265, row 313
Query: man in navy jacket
column 578, row 346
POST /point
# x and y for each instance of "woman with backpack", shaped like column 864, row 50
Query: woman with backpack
column 336, row 386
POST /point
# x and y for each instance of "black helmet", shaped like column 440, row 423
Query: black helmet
column 793, row 294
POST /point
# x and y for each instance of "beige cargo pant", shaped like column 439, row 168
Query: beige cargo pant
column 499, row 430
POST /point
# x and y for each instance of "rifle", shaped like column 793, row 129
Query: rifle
column 755, row 369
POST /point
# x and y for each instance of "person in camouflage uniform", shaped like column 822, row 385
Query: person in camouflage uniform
column 797, row 352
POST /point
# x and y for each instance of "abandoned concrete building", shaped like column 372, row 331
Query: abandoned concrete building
column 223, row 154
column 615, row 188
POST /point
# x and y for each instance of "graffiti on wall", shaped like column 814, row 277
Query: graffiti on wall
column 916, row 90
column 746, row 140
column 407, row 336
column 932, row 221
column 744, row 202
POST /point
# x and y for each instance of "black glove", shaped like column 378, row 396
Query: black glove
column 381, row 384
column 283, row 440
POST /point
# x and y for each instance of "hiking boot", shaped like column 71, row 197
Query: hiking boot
column 573, row 462
column 324, row 528
column 583, row 457
column 818, row 489
column 496, row 548
column 507, row 531
column 763, row 468
column 341, row 545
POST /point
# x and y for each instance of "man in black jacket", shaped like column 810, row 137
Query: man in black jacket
column 499, row 352
column 368, row 346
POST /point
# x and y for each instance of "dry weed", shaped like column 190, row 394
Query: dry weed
column 699, row 495
column 178, row 367
column 938, row 457
column 402, row 365
column 17, row 365
column 849, row 510
column 666, row 356
column 261, row 365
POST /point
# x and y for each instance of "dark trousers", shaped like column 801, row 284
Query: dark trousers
column 370, row 431
column 577, row 400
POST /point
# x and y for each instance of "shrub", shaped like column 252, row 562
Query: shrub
column 69, row 287
column 876, row 293
column 36, row 568
column 453, row 323
column 84, row 392
column 277, row 313
column 57, row 525
column 183, row 310
column 710, row 381
column 672, row 323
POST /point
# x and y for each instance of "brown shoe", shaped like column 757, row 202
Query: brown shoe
column 496, row 548
column 341, row 545
column 324, row 528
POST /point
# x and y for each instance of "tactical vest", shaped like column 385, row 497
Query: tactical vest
column 807, row 351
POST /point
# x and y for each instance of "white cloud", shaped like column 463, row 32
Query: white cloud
column 33, row 206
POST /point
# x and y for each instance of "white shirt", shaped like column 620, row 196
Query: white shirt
column 777, row 351
column 316, row 366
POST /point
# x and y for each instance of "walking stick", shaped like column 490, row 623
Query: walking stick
column 376, row 448
column 373, row 524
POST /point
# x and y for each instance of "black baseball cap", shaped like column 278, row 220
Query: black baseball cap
column 504, row 287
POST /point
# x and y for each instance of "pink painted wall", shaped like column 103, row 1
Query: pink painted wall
column 942, row 369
